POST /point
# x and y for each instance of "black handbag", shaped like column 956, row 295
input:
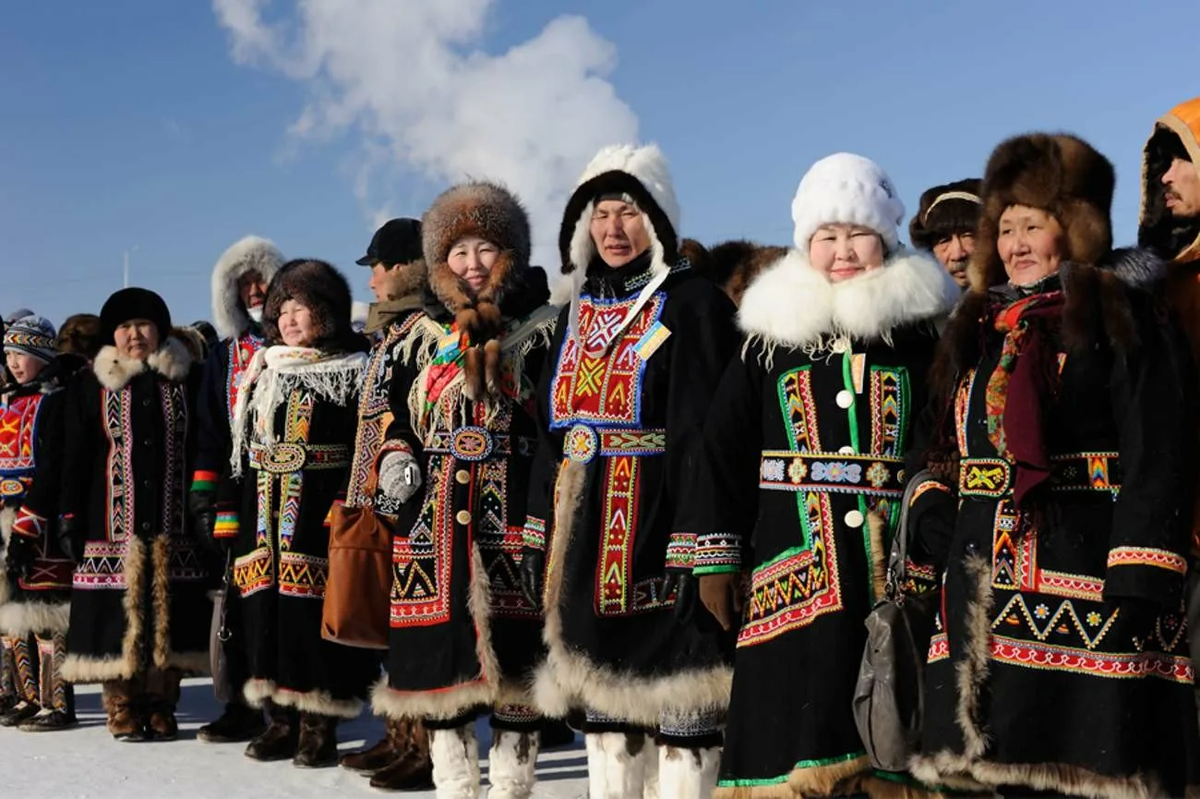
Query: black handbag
column 218, row 635
column 889, row 699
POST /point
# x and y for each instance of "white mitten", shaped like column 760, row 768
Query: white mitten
column 399, row 476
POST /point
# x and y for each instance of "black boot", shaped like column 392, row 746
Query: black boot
column 556, row 734
column 317, row 747
column 239, row 722
column 278, row 741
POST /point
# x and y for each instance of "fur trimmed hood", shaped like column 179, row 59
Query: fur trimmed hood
column 643, row 174
column 794, row 305
column 1058, row 173
column 1173, row 239
column 250, row 254
column 172, row 360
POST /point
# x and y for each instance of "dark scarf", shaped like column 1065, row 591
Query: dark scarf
column 1024, row 381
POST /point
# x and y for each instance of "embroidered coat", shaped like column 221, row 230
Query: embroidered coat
column 802, row 470
column 139, row 596
column 31, row 452
column 463, row 635
column 1041, row 600
column 293, row 441
column 222, row 375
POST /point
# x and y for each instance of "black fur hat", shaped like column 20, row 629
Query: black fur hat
column 134, row 303
column 321, row 288
column 945, row 210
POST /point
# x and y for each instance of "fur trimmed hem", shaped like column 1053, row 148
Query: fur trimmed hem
column 88, row 669
column 440, row 705
column 257, row 691
column 193, row 664
column 835, row 779
column 33, row 617
column 1057, row 777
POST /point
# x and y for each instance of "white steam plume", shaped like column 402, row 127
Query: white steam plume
column 407, row 77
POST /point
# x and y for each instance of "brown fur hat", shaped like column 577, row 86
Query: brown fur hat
column 81, row 334
column 738, row 262
column 493, row 213
column 945, row 210
column 321, row 288
column 1058, row 173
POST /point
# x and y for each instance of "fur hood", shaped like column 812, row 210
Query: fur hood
column 251, row 254
column 1175, row 240
column 1058, row 173
column 643, row 174
column 172, row 360
column 792, row 304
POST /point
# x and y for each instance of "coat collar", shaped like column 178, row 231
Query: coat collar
column 794, row 305
column 114, row 371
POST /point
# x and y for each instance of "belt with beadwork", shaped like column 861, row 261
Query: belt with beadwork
column 832, row 472
column 992, row 478
column 285, row 458
column 584, row 443
column 13, row 488
column 472, row 443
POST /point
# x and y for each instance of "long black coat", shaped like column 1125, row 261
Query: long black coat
column 140, row 588
column 1042, row 671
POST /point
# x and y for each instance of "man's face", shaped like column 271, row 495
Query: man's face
column 1181, row 184
column 954, row 253
column 252, row 290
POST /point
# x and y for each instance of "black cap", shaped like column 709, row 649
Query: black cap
column 397, row 242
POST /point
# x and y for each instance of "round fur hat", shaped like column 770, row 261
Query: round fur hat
column 321, row 288
column 134, row 303
column 945, row 210
column 490, row 212
column 1058, row 173
column 849, row 189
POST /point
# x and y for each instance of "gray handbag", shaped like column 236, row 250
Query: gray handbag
column 889, row 699
column 218, row 634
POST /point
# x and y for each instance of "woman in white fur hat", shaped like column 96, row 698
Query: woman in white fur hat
column 818, row 413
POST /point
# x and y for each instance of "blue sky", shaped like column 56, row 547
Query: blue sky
column 170, row 126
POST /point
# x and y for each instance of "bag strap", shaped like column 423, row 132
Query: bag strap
column 896, row 571
column 223, row 632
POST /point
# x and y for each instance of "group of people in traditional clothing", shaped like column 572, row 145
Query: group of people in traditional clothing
column 656, row 503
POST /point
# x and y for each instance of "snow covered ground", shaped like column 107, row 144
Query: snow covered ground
column 86, row 763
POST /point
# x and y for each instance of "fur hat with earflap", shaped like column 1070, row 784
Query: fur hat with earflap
column 513, row 288
column 322, row 289
column 250, row 254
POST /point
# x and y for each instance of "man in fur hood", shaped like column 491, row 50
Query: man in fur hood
column 239, row 291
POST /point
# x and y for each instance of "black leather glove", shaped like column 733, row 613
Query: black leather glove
column 683, row 584
column 70, row 538
column 533, row 571
column 18, row 557
column 203, row 511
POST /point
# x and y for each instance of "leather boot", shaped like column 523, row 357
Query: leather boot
column 317, row 747
column 162, row 697
column 390, row 749
column 122, row 704
column 57, row 695
column 413, row 771
column 25, row 658
column 239, row 722
column 278, row 740
column 9, row 696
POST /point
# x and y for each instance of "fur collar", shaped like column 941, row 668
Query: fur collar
column 114, row 371
column 794, row 305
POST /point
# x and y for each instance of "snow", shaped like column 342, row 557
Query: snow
column 86, row 763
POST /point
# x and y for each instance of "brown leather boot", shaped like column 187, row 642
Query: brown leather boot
column 278, row 741
column 390, row 749
column 162, row 695
column 317, row 747
column 413, row 770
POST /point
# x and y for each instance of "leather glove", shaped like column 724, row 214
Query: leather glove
column 683, row 584
column 18, row 557
column 70, row 538
column 204, row 519
column 399, row 476
column 722, row 597
column 533, row 570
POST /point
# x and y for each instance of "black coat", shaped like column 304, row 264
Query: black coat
column 128, row 445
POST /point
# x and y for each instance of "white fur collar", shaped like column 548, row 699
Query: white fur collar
column 172, row 360
column 792, row 304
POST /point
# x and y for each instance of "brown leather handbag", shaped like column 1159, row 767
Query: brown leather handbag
column 357, row 606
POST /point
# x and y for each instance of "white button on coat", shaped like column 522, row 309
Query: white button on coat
column 845, row 399
column 846, row 451
column 854, row 519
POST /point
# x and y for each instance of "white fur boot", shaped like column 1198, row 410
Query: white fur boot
column 512, row 764
column 617, row 765
column 650, row 790
column 455, row 755
column 687, row 773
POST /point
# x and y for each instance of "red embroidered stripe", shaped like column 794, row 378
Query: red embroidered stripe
column 1147, row 556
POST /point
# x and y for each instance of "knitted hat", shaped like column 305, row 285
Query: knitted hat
column 851, row 190
column 134, row 303
column 31, row 335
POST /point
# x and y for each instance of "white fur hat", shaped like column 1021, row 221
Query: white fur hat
column 848, row 189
